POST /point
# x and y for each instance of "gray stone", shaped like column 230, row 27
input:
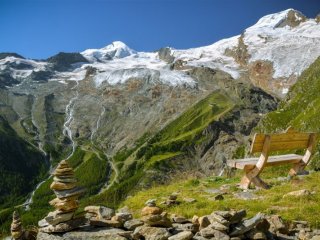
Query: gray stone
column 133, row 224
column 151, row 233
column 151, row 203
column 246, row 196
column 64, row 227
column 160, row 220
column 221, row 235
column 69, row 193
column 218, row 226
column 277, row 224
column 185, row 235
column 96, row 234
column 101, row 212
column 189, row 200
column 246, row 225
column 299, row 193
column 186, row 227
column 217, row 218
column 57, row 217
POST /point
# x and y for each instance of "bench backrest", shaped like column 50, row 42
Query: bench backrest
column 290, row 140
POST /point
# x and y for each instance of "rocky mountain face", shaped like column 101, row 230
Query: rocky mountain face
column 150, row 113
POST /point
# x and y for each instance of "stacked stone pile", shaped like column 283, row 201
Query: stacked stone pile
column 16, row 226
column 67, row 192
column 172, row 200
column 17, row 231
column 100, row 216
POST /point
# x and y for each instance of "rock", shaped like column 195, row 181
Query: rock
column 179, row 219
column 189, row 200
column 160, row 220
column 256, row 235
column 195, row 220
column 151, row 203
column 186, row 227
column 263, row 226
column 277, row 224
column 122, row 217
column 69, row 193
column 62, row 185
column 246, row 225
column 218, row 226
column 299, row 193
column 124, row 209
column 207, row 232
column 57, row 217
column 105, row 223
column 97, row 234
column 246, row 196
column 217, row 218
column 64, row 226
column 100, row 212
column 173, row 196
column 316, row 237
column 64, row 205
column 221, row 235
column 203, row 222
column 237, row 216
column 151, row 211
column 185, row 235
column 151, row 233
column 218, row 197
column 133, row 224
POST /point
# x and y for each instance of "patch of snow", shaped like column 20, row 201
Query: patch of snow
column 285, row 90
column 141, row 65
column 21, row 73
column 290, row 49
column 213, row 56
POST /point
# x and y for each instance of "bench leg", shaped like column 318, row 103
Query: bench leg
column 298, row 169
column 257, row 181
column 251, row 177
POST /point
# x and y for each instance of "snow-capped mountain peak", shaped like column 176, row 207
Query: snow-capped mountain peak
column 289, row 17
column 114, row 50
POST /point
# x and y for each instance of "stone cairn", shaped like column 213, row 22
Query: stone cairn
column 17, row 231
column 67, row 192
column 16, row 226
column 171, row 200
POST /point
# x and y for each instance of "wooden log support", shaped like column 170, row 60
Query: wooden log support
column 254, row 173
column 299, row 167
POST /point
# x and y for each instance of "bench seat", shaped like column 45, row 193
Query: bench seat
column 272, row 160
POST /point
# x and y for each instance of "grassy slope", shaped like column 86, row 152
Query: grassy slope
column 300, row 109
column 271, row 202
column 156, row 153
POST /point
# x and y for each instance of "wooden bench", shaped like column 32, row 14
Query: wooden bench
column 266, row 143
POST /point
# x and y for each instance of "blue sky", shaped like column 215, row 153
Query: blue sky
column 42, row 28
